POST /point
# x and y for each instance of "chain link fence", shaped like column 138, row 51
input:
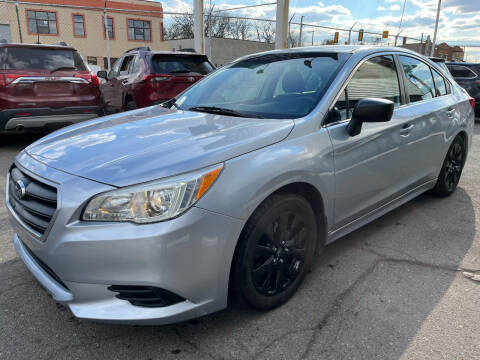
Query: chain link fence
column 84, row 28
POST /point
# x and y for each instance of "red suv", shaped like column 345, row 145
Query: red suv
column 45, row 87
column 142, row 77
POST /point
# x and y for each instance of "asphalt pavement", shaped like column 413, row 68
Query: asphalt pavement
column 399, row 288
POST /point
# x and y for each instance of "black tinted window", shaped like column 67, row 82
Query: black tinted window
column 168, row 64
column 375, row 78
column 24, row 58
column 461, row 72
column 439, row 83
column 419, row 79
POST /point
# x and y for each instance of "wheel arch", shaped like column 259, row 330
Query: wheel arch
column 313, row 196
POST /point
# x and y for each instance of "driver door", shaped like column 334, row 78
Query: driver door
column 368, row 166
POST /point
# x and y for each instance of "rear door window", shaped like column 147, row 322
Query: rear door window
column 420, row 85
column 25, row 58
column 179, row 64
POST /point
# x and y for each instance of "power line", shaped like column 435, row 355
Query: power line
column 246, row 7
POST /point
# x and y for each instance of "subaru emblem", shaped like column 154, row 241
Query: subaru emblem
column 20, row 189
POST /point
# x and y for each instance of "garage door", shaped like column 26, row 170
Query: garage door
column 5, row 32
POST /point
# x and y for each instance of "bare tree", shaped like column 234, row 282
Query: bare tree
column 219, row 26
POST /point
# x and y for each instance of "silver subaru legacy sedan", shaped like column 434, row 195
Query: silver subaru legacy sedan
column 158, row 215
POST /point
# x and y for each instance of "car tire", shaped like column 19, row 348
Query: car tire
column 130, row 104
column 452, row 168
column 275, row 251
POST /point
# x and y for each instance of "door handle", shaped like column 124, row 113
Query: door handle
column 450, row 111
column 124, row 81
column 406, row 129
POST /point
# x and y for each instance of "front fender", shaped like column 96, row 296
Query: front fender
column 248, row 180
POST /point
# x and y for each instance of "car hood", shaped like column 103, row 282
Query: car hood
column 153, row 143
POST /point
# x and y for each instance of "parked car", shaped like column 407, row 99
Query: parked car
column 152, row 216
column 142, row 77
column 467, row 75
column 45, row 87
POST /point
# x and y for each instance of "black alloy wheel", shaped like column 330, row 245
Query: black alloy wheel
column 452, row 168
column 275, row 251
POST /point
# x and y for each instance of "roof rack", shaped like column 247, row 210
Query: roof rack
column 61, row 43
column 140, row 48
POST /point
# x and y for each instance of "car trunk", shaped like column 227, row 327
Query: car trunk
column 173, row 73
column 38, row 77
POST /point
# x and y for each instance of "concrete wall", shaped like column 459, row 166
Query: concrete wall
column 221, row 51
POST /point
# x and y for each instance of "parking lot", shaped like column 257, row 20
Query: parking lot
column 396, row 289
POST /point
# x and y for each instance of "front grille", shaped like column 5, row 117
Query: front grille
column 37, row 205
column 147, row 296
column 45, row 267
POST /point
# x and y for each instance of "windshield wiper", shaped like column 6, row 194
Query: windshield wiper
column 220, row 111
column 63, row 68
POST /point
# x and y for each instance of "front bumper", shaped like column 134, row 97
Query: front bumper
column 46, row 118
column 189, row 256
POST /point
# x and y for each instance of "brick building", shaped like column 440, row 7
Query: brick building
column 80, row 23
column 443, row 50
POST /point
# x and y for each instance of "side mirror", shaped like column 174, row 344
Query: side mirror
column 102, row 74
column 369, row 110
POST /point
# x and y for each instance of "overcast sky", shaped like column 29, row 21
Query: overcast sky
column 459, row 19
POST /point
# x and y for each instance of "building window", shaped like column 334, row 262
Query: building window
column 92, row 60
column 42, row 22
column 139, row 30
column 79, row 25
column 110, row 28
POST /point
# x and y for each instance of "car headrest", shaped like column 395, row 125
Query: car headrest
column 293, row 82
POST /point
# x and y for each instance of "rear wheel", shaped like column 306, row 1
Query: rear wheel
column 452, row 168
column 130, row 104
column 275, row 251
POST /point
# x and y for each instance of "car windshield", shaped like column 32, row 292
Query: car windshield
column 26, row 58
column 180, row 64
column 275, row 86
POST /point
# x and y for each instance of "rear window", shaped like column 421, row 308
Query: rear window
column 177, row 64
column 20, row 58
column 459, row 71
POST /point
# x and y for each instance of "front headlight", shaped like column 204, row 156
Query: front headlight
column 153, row 201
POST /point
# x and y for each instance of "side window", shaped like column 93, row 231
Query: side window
column 115, row 69
column 375, row 78
column 420, row 84
column 127, row 62
column 439, row 83
column 461, row 72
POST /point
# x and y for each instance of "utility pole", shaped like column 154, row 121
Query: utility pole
column 107, row 36
column 281, row 24
column 420, row 45
column 301, row 30
column 198, row 27
column 18, row 22
column 350, row 32
column 436, row 28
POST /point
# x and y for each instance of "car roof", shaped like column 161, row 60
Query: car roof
column 32, row 46
column 348, row 49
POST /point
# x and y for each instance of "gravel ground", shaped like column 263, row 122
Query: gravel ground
column 395, row 289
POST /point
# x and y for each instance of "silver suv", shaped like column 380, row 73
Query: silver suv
column 153, row 215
